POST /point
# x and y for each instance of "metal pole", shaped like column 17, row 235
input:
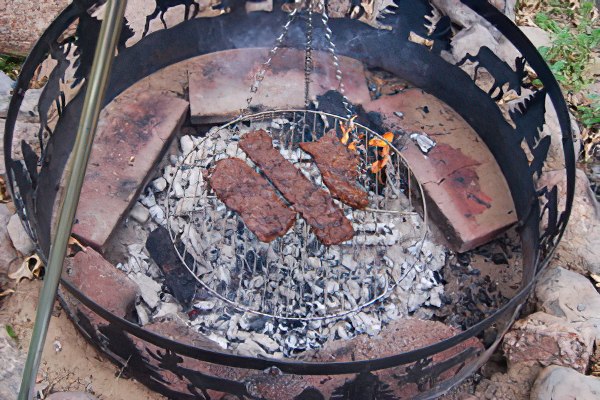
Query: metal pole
column 75, row 173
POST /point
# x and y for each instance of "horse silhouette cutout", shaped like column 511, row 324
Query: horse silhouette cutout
column 499, row 70
column 163, row 5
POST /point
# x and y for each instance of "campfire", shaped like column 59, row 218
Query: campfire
column 294, row 293
column 270, row 242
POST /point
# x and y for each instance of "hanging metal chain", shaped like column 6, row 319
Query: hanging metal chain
column 336, row 60
column 308, row 60
column 308, row 57
column 260, row 75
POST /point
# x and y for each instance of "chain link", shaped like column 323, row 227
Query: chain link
column 336, row 60
column 308, row 57
column 308, row 60
column 260, row 75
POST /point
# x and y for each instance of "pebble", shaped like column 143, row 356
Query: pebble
column 19, row 237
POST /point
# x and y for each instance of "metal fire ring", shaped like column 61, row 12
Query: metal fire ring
column 36, row 165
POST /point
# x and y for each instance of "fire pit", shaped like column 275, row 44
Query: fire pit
column 298, row 315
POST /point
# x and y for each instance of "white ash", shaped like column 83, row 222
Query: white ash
column 386, row 272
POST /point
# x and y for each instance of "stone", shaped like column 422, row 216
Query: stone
column 6, row 84
column 562, row 293
column 579, row 248
column 28, row 112
column 468, row 196
column 220, row 82
column 98, row 279
column 548, row 340
column 537, row 36
column 22, row 22
column 560, row 383
column 13, row 362
column 7, row 252
column 71, row 396
column 133, row 133
column 19, row 237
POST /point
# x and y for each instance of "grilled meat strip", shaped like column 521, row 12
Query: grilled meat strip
column 316, row 206
column 338, row 166
column 249, row 194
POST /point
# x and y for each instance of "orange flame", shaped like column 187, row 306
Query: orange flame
column 378, row 165
column 346, row 129
column 387, row 138
column 384, row 153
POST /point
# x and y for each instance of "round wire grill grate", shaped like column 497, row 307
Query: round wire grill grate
column 295, row 276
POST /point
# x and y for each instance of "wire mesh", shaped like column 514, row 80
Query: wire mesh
column 295, row 276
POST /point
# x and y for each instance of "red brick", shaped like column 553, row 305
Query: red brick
column 133, row 133
column 220, row 82
column 468, row 196
column 101, row 281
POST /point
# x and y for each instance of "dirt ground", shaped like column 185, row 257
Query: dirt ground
column 77, row 366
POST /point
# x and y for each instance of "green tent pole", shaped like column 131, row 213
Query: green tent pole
column 75, row 173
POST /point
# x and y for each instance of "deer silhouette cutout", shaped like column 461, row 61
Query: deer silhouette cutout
column 163, row 5
column 500, row 71
column 51, row 92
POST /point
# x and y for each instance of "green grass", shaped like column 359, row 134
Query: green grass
column 10, row 65
column 571, row 49
column 575, row 36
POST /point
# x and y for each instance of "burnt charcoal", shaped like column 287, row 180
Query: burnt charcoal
column 253, row 198
column 499, row 258
column 178, row 279
column 339, row 169
column 464, row 259
column 316, row 206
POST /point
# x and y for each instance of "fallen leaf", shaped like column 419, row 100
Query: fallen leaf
column 4, row 196
column 77, row 244
column 22, row 272
column 38, row 266
column 413, row 37
column 11, row 332
column 6, row 292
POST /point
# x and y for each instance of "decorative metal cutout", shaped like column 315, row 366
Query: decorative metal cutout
column 35, row 171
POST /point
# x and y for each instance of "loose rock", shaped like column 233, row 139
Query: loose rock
column 562, row 293
column 560, row 383
column 7, row 251
column 549, row 340
column 20, row 239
